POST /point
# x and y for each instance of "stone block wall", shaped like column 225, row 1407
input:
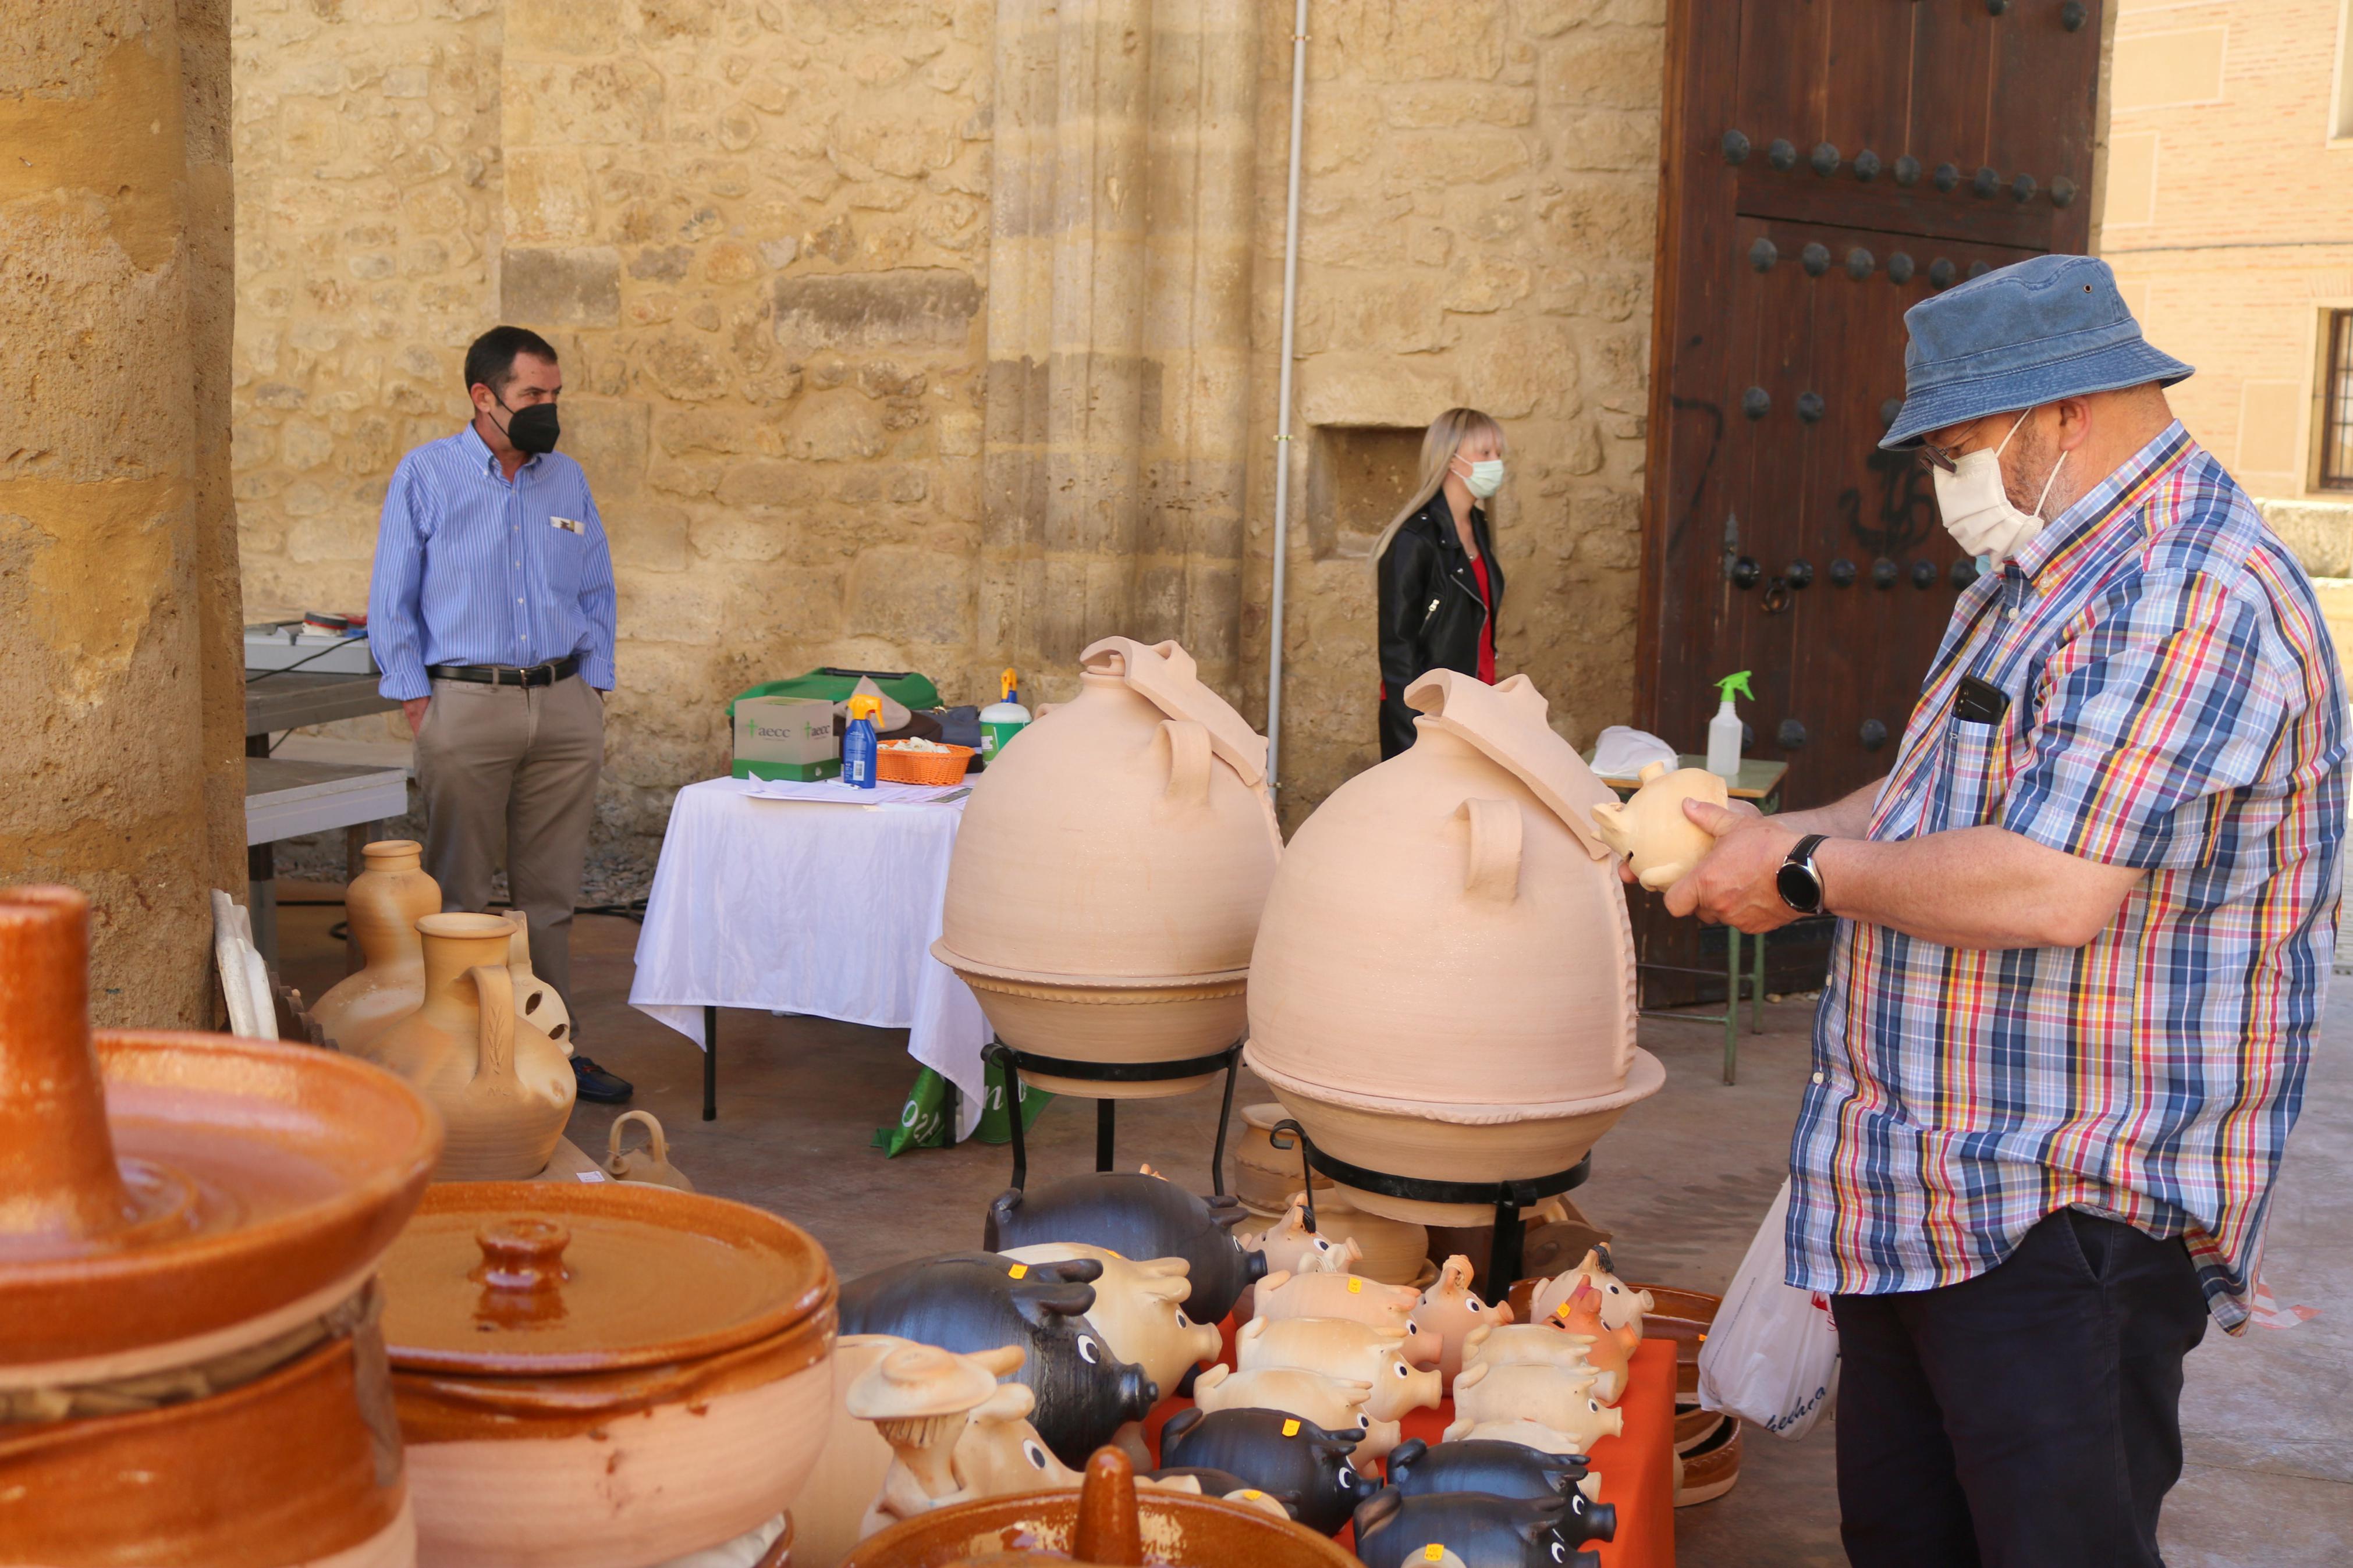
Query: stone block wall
column 942, row 334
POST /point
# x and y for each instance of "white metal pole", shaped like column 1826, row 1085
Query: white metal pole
column 1282, row 403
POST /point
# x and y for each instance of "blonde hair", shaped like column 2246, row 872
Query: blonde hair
column 1439, row 443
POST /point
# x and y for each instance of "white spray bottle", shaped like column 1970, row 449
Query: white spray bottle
column 1723, row 730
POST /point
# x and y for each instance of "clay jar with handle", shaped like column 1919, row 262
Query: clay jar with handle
column 504, row 1088
column 1109, row 871
column 1652, row 830
column 602, row 1375
column 650, row 1163
column 187, row 1232
column 382, row 904
column 535, row 1000
column 1444, row 985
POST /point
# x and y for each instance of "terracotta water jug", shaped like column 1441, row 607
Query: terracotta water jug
column 650, row 1163
column 535, row 999
column 382, row 904
column 1652, row 830
column 1444, row 985
column 504, row 1088
column 190, row 1227
column 1109, row 871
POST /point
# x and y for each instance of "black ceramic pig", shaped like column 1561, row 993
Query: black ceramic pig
column 1302, row 1464
column 1484, row 1531
column 1221, row 1483
column 1138, row 1215
column 1498, row 1469
column 977, row 1300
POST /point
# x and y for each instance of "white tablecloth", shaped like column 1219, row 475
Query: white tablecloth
column 795, row 906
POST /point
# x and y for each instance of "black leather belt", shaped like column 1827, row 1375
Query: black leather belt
column 507, row 674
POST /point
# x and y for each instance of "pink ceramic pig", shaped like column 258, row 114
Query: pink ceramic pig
column 1451, row 1310
column 1548, row 1396
column 1341, row 1349
column 1329, row 1403
column 1291, row 1247
column 1528, row 1434
column 1352, row 1295
column 1607, row 1349
column 1622, row 1306
column 1137, row 1309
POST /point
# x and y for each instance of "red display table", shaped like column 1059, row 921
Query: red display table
column 1637, row 1467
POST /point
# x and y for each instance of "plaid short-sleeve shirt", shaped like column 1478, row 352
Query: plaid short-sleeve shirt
column 2174, row 705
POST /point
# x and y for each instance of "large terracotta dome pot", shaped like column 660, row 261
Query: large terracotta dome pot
column 1110, row 869
column 504, row 1088
column 1443, row 984
column 382, row 904
column 602, row 1375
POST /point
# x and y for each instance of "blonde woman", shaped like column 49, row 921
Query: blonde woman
column 1440, row 584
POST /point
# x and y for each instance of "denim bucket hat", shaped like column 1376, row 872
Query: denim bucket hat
column 2027, row 334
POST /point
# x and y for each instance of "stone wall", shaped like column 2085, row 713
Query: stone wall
column 942, row 334
column 121, row 705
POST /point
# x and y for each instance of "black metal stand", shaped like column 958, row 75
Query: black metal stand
column 1509, row 1199
column 1106, row 1110
column 711, row 1064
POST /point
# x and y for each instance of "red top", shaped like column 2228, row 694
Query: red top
column 1487, row 630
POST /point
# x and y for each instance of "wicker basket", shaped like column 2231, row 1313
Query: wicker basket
column 894, row 766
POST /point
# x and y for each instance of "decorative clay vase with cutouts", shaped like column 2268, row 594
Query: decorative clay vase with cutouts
column 1109, row 872
column 1444, row 985
column 504, row 1088
column 382, row 904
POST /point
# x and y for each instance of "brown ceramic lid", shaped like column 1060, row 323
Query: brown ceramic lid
column 164, row 1197
column 534, row 1279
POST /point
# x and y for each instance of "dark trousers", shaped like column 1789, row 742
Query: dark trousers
column 2027, row 1416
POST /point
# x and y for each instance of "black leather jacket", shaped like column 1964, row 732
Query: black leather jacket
column 1431, row 611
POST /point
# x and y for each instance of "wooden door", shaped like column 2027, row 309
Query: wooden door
column 1829, row 163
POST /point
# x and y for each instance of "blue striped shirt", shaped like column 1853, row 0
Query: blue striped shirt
column 470, row 569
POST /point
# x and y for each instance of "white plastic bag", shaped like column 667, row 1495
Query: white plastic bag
column 1772, row 1357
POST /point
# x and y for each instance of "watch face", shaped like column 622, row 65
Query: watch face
column 1798, row 889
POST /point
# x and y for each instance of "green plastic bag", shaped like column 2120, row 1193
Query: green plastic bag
column 924, row 1119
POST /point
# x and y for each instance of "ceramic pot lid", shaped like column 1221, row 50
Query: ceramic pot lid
column 1165, row 675
column 531, row 1280
column 165, row 1198
column 1510, row 722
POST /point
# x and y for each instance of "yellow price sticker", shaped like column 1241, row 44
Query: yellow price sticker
column 1019, row 1270
column 1433, row 1553
column 1252, row 1493
column 1355, row 1286
column 1291, row 1428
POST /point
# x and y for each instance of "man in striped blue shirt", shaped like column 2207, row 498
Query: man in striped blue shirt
column 491, row 616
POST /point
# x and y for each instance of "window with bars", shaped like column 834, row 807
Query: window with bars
column 2337, row 405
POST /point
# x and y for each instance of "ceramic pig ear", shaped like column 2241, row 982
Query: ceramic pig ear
column 1059, row 1302
column 1377, row 1510
column 1183, row 1421
column 1408, row 1454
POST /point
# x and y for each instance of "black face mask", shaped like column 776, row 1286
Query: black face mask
column 532, row 429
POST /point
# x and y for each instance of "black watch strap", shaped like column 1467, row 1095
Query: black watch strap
column 1800, row 885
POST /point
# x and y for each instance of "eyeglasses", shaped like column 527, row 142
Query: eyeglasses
column 1933, row 458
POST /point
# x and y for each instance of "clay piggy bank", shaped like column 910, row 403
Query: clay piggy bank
column 1306, row 1467
column 1622, row 1306
column 1485, row 1395
column 956, row 1433
column 1451, row 1310
column 1394, row 1530
column 1526, row 1434
column 1540, row 1344
column 1350, row 1352
column 1219, row 1484
column 1650, row 829
column 1136, row 1215
column 1330, row 1403
column 973, row 1301
column 1609, row 1349
column 1290, row 1247
column 1352, row 1295
column 1499, row 1469
column 1136, row 1310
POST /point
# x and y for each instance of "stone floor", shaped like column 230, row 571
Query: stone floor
column 1682, row 1181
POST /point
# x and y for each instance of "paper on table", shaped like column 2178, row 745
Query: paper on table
column 840, row 794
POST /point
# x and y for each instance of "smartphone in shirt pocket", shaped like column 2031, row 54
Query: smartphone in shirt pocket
column 1974, row 781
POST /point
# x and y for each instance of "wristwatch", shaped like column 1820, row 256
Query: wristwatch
column 1800, row 885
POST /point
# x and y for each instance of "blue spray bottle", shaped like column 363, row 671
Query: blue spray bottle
column 858, row 741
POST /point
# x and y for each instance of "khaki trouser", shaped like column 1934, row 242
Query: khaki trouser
column 514, row 769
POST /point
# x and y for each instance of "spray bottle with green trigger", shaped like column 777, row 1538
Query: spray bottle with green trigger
column 1723, row 730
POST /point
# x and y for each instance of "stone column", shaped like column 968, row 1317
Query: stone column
column 1118, row 328
column 121, row 679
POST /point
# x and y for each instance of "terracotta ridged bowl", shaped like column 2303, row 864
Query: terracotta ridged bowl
column 274, row 1176
column 1193, row 1532
column 1084, row 1018
column 1490, row 1143
column 300, row 1466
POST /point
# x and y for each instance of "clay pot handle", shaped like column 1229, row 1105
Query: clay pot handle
column 1494, row 868
column 522, row 1254
column 1188, row 762
column 655, row 1138
column 495, row 988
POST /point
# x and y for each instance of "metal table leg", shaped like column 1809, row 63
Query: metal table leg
column 1756, row 990
column 1732, row 1004
column 711, row 1064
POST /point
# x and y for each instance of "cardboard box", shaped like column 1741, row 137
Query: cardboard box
column 786, row 738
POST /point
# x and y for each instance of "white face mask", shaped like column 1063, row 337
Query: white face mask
column 1976, row 506
column 1486, row 478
